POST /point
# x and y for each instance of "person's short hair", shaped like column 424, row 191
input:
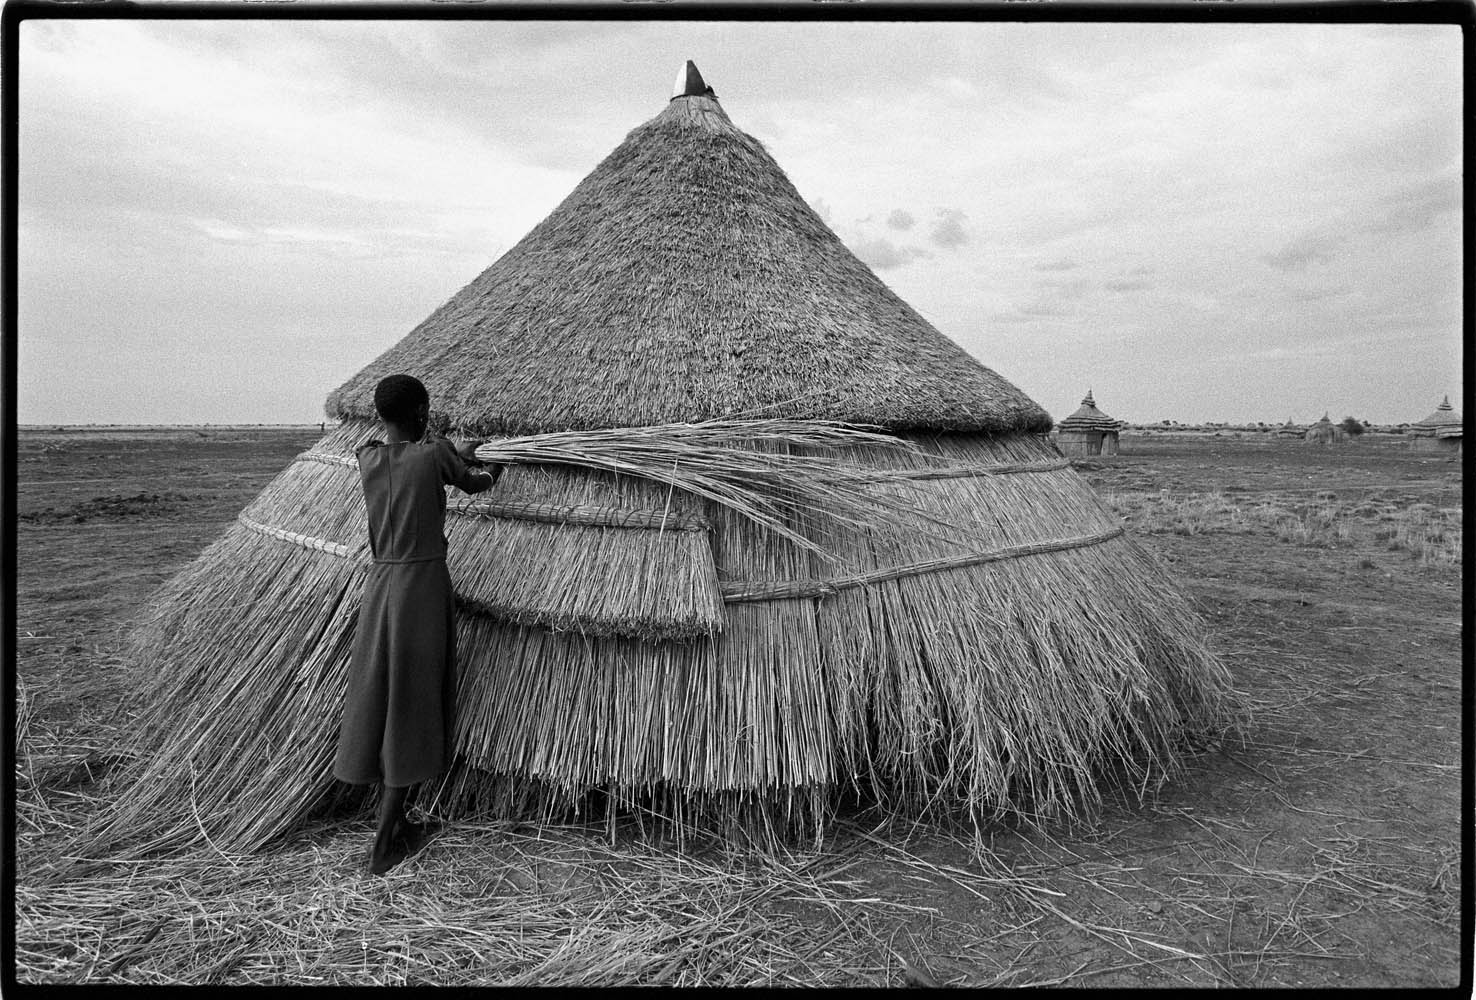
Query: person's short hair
column 398, row 398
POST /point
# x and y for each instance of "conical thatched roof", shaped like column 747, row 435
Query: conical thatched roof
column 1444, row 416
column 1089, row 418
column 686, row 279
column 997, row 647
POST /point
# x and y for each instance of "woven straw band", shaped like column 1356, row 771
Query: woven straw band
column 582, row 514
column 327, row 459
column 306, row 541
column 736, row 592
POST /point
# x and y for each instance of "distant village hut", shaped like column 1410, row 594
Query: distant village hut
column 618, row 646
column 1290, row 430
column 1088, row 431
column 1325, row 432
column 1439, row 432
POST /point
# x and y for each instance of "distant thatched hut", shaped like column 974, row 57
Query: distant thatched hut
column 1290, row 430
column 1439, row 432
column 1088, row 431
column 1325, row 432
column 653, row 651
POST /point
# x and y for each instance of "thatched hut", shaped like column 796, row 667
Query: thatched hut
column 1439, row 432
column 1088, row 431
column 621, row 647
column 1325, row 432
column 1290, row 430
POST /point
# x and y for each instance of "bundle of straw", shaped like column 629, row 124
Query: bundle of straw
column 790, row 477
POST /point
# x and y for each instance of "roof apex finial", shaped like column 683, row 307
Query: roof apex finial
column 1088, row 401
column 1444, row 403
column 689, row 82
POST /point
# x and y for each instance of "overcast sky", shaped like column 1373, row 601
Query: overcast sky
column 220, row 222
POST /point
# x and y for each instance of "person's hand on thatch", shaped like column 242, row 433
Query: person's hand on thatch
column 468, row 452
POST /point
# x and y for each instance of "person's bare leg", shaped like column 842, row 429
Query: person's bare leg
column 389, row 844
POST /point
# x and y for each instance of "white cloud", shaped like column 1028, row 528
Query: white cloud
column 883, row 254
column 948, row 229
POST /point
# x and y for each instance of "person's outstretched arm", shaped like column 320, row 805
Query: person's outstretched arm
column 465, row 472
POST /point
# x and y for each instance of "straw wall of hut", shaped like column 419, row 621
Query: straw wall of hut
column 621, row 645
column 1325, row 432
column 1088, row 431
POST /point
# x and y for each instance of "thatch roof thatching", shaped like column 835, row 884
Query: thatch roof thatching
column 1290, row 429
column 621, row 644
column 1088, row 418
column 685, row 279
column 1444, row 416
column 1324, row 432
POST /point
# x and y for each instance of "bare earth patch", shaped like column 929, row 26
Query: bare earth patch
column 1320, row 849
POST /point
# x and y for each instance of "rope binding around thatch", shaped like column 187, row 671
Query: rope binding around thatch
column 778, row 590
column 359, row 552
column 739, row 591
column 591, row 515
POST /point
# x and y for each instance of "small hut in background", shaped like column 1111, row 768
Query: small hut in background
column 1088, row 431
column 1325, row 432
column 1290, row 430
column 1440, row 431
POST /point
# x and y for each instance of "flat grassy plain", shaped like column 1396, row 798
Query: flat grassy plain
column 1320, row 848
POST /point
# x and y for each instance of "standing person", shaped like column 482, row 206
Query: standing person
column 396, row 729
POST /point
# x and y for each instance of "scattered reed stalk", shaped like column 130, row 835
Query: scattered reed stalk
column 483, row 905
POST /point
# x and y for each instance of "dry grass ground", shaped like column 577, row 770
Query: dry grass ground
column 1323, row 849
